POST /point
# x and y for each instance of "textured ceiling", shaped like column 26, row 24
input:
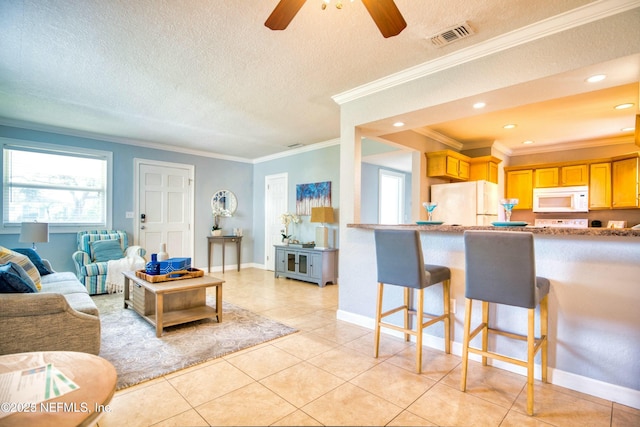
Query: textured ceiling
column 208, row 76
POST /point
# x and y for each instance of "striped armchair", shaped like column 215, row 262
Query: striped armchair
column 93, row 275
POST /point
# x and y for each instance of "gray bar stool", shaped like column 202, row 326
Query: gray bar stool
column 400, row 262
column 500, row 268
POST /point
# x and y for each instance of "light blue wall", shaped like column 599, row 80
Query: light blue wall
column 309, row 167
column 210, row 175
column 244, row 179
column 370, row 193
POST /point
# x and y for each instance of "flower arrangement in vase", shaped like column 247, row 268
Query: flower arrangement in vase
column 286, row 219
column 216, row 230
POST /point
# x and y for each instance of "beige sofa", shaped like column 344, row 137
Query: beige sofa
column 61, row 317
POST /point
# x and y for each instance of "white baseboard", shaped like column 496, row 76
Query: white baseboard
column 623, row 395
column 232, row 267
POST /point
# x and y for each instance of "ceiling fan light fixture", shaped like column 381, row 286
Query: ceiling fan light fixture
column 384, row 13
column 326, row 3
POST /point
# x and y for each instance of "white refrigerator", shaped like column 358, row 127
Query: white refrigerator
column 466, row 203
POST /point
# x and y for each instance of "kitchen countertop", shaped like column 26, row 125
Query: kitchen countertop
column 553, row 231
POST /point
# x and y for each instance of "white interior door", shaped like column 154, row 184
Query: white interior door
column 391, row 200
column 275, row 204
column 165, row 207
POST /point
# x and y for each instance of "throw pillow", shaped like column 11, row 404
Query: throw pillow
column 35, row 259
column 12, row 282
column 106, row 250
column 87, row 239
column 7, row 255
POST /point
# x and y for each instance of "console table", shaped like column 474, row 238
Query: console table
column 309, row 264
column 223, row 239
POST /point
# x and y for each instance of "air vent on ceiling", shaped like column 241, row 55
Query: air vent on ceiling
column 452, row 34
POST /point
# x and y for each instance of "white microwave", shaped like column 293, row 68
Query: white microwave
column 561, row 199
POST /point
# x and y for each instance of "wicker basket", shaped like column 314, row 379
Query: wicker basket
column 174, row 275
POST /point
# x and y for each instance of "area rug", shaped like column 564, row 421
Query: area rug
column 129, row 342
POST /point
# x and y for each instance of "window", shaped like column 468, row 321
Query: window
column 391, row 201
column 64, row 186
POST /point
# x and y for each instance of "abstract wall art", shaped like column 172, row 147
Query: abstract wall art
column 312, row 195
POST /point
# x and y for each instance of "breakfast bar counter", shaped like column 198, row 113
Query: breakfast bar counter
column 554, row 231
column 594, row 302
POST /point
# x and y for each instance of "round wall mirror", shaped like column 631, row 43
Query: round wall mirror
column 224, row 202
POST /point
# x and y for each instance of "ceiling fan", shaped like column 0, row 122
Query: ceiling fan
column 385, row 14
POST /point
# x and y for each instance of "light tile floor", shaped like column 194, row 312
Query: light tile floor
column 326, row 375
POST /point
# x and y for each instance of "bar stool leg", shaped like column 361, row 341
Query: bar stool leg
column 419, row 326
column 446, row 292
column 468, row 305
column 485, row 330
column 378, row 317
column 407, row 307
column 531, row 338
column 544, row 330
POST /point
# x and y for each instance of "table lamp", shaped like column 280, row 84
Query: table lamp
column 323, row 215
column 34, row 232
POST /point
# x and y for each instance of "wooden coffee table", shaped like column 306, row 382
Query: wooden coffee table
column 95, row 376
column 174, row 302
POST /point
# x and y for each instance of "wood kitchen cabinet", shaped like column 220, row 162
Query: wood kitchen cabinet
column 520, row 186
column 563, row 176
column 574, row 175
column 546, row 177
column 309, row 264
column 448, row 164
column 600, row 185
column 614, row 182
column 624, row 178
column 484, row 168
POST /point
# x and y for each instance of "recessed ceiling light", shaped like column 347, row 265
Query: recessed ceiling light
column 398, row 124
column 509, row 126
column 479, row 105
column 527, row 142
column 624, row 106
column 596, row 78
column 628, row 129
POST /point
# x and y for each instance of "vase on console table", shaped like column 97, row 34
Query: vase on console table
column 217, row 232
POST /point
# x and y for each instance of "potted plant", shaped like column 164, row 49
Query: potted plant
column 286, row 219
column 216, row 230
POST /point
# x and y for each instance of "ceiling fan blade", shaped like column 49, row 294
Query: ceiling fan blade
column 283, row 14
column 386, row 15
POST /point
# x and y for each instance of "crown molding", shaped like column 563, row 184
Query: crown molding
column 436, row 136
column 588, row 13
column 295, row 151
column 573, row 145
column 117, row 140
column 157, row 146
